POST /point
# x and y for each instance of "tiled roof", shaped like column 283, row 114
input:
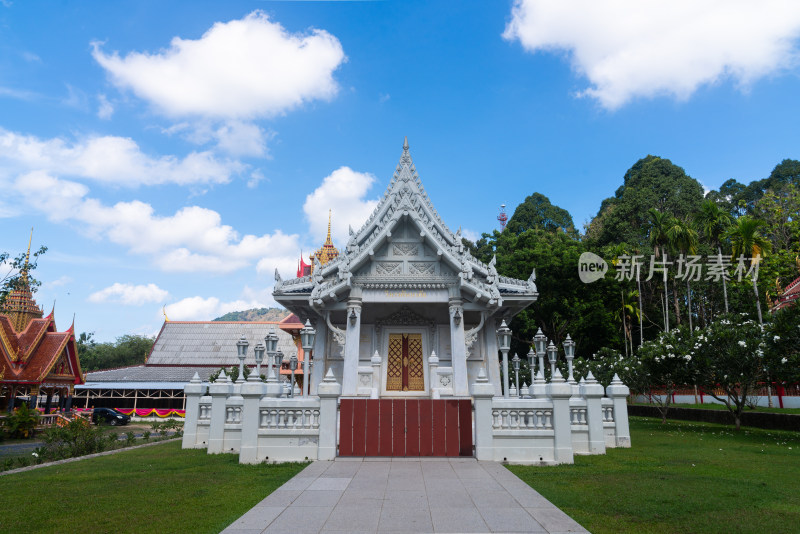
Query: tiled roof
column 790, row 294
column 144, row 373
column 213, row 343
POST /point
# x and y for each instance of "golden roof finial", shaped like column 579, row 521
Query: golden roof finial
column 27, row 257
column 164, row 311
column 328, row 239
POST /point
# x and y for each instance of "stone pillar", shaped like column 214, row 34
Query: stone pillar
column 376, row 375
column 318, row 370
column 458, row 349
column 328, row 392
column 482, row 393
column 251, row 392
column 433, row 378
column 492, row 361
column 592, row 391
column 49, row 403
column 560, row 392
column 351, row 346
column 193, row 391
column 618, row 392
column 219, row 391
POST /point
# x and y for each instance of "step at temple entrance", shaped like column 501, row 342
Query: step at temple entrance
column 405, row 427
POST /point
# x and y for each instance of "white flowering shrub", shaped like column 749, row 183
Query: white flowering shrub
column 731, row 357
column 782, row 337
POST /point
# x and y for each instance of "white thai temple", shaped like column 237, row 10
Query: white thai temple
column 405, row 359
column 405, row 289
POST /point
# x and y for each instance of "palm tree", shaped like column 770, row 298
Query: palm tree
column 629, row 312
column 713, row 222
column 659, row 224
column 747, row 240
column 683, row 237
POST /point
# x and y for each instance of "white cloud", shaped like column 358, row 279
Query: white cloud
column 58, row 282
column 470, row 234
column 646, row 49
column 343, row 193
column 192, row 239
column 132, row 295
column 105, row 108
column 109, row 159
column 241, row 69
column 205, row 309
column 242, row 139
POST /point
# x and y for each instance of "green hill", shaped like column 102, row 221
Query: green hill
column 256, row 314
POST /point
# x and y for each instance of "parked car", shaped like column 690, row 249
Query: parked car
column 109, row 416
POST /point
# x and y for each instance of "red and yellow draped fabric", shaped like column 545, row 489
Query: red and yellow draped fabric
column 147, row 412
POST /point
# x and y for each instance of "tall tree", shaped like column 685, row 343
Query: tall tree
column 537, row 212
column 660, row 224
column 652, row 183
column 16, row 272
column 713, row 222
column 747, row 240
column 683, row 238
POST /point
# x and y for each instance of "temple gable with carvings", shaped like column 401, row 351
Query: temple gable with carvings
column 404, row 258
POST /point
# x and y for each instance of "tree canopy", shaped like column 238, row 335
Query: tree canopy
column 536, row 212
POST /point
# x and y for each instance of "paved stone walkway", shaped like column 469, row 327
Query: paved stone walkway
column 372, row 495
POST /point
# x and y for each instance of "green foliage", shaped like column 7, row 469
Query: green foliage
column 125, row 351
column 652, row 183
column 16, row 275
column 536, row 212
column 21, row 423
column 77, row 438
column 232, row 373
column 782, row 337
column 168, row 425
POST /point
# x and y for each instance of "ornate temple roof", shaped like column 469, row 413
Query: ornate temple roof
column 789, row 295
column 39, row 353
column 406, row 201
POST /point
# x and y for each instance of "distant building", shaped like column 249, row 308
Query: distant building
column 182, row 349
column 35, row 358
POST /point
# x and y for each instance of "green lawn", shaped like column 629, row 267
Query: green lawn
column 681, row 477
column 153, row 489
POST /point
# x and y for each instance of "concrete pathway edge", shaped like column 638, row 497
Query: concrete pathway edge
column 376, row 495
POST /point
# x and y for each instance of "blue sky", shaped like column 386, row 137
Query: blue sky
column 176, row 153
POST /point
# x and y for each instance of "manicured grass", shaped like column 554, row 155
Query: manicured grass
column 154, row 489
column 715, row 406
column 681, row 477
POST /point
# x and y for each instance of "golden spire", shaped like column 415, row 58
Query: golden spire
column 328, row 239
column 327, row 251
column 27, row 257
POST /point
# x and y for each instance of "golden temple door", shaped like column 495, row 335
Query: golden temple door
column 405, row 370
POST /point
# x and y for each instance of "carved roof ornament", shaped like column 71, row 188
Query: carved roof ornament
column 406, row 202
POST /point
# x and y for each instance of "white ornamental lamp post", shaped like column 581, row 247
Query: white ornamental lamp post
column 504, row 340
column 241, row 347
column 293, row 368
column 552, row 356
column 307, row 335
column 271, row 343
column 278, row 365
column 569, row 352
column 540, row 340
column 259, row 354
column 531, row 356
column 515, row 361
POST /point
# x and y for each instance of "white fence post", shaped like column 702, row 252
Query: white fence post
column 252, row 391
column 193, row 391
column 328, row 391
column 219, row 391
column 618, row 392
column 560, row 392
column 482, row 393
column 592, row 391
